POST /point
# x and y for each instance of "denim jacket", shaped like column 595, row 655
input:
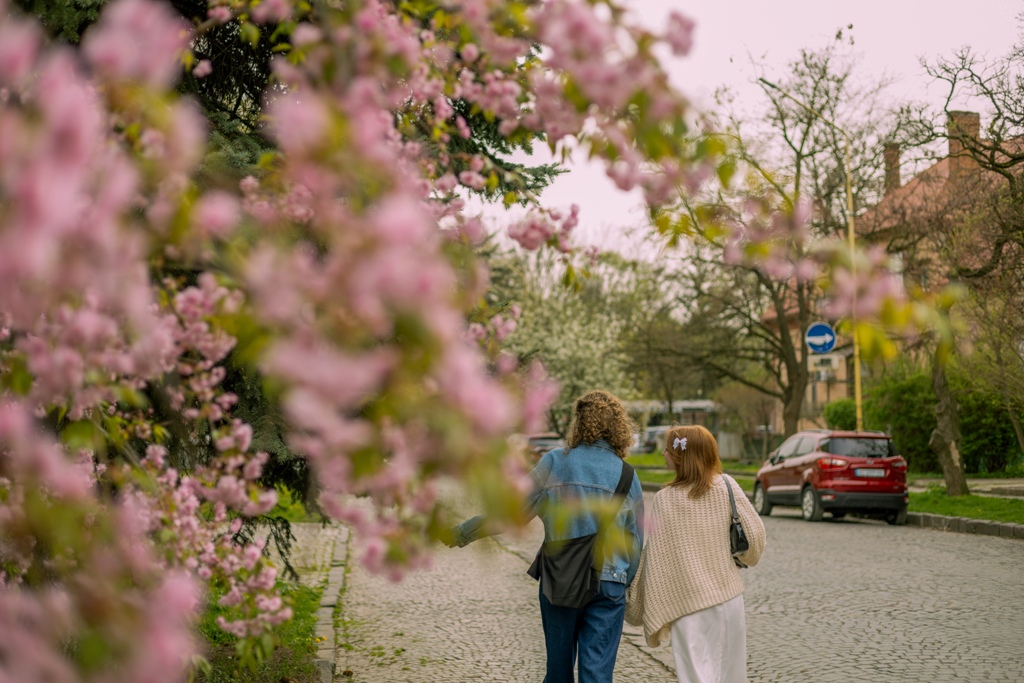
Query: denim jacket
column 585, row 471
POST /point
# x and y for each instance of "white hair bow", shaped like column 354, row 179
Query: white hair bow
column 680, row 444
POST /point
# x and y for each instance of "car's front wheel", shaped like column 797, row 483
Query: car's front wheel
column 810, row 505
column 761, row 504
column 898, row 518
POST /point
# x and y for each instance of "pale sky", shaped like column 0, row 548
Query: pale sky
column 891, row 37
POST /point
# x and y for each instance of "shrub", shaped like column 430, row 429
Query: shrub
column 841, row 414
column 989, row 443
column 903, row 404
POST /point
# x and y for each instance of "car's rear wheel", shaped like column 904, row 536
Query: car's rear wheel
column 898, row 518
column 810, row 506
column 761, row 504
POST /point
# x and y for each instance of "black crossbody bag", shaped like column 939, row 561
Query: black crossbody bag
column 738, row 543
column 568, row 571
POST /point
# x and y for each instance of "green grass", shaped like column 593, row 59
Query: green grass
column 1012, row 473
column 293, row 658
column 664, row 476
column 289, row 507
column 655, row 459
column 655, row 476
column 745, row 467
column 936, row 502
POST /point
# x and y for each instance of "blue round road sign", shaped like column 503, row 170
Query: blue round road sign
column 820, row 338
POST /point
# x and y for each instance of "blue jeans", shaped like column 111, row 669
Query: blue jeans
column 593, row 631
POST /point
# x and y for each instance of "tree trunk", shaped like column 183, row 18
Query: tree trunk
column 793, row 402
column 945, row 439
column 1006, row 399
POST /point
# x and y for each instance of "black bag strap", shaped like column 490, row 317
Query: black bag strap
column 732, row 498
column 621, row 489
column 625, row 481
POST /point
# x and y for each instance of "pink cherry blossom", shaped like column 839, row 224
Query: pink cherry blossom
column 137, row 40
column 680, row 33
column 216, row 213
column 203, row 69
column 19, row 45
column 269, row 11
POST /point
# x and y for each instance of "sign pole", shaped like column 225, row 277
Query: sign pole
column 850, row 237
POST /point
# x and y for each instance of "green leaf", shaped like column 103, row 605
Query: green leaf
column 726, row 170
column 569, row 276
column 17, row 379
column 250, row 33
column 82, row 434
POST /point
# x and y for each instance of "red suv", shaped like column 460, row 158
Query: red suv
column 837, row 472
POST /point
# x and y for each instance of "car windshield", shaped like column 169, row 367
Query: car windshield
column 861, row 448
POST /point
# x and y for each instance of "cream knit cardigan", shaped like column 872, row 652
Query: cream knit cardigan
column 686, row 565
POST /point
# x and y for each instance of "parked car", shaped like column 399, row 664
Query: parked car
column 654, row 438
column 836, row 472
column 637, row 445
column 539, row 444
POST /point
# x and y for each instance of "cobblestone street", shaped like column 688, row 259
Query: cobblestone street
column 856, row 600
column 846, row 601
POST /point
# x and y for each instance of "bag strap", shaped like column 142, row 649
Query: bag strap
column 625, row 481
column 621, row 489
column 732, row 498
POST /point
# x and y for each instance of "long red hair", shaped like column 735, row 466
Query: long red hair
column 697, row 462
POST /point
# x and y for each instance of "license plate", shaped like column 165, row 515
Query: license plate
column 869, row 473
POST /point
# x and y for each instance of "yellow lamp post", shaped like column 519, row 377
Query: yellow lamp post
column 850, row 238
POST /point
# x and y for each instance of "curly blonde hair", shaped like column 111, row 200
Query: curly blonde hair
column 697, row 462
column 599, row 415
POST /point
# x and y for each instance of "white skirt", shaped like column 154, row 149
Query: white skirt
column 710, row 646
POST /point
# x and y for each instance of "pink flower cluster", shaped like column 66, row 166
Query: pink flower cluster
column 138, row 40
column 546, row 225
column 862, row 296
column 108, row 581
column 775, row 242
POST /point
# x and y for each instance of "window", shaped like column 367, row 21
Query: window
column 863, row 448
column 787, row 449
column 805, row 446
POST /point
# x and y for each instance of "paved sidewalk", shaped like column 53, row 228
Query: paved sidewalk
column 319, row 554
column 313, row 550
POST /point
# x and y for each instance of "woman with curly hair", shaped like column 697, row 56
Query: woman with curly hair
column 688, row 588
column 572, row 493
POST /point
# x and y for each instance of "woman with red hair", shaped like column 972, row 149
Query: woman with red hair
column 688, row 587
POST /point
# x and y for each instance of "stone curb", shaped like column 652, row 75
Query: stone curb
column 965, row 525
column 326, row 653
column 925, row 520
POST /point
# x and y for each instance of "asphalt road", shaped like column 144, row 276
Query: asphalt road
column 844, row 601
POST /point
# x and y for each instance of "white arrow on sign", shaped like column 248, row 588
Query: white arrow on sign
column 821, row 339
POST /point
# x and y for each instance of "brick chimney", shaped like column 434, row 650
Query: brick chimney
column 891, row 154
column 961, row 125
